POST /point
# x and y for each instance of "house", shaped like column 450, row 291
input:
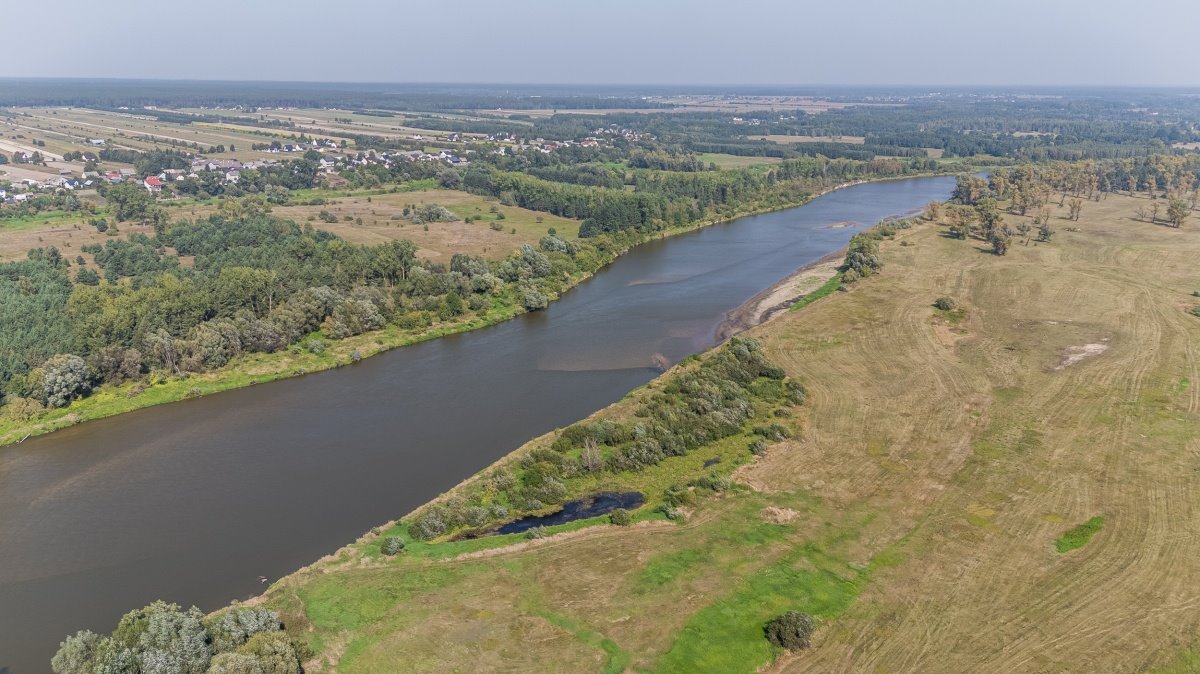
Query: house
column 153, row 184
column 232, row 175
column 127, row 173
column 113, row 177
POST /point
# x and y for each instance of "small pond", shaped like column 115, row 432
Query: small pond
column 600, row 503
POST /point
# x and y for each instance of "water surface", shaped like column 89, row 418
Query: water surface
column 192, row 502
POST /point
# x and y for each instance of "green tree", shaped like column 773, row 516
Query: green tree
column 128, row 201
column 64, row 378
column 1177, row 211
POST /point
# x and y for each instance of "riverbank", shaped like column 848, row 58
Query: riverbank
column 796, row 287
column 258, row 368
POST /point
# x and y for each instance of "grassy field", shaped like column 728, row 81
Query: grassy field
column 915, row 513
column 775, row 138
column 733, row 161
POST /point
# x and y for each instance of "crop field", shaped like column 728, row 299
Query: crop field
column 1008, row 486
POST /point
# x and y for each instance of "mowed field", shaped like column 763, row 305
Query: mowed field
column 915, row 511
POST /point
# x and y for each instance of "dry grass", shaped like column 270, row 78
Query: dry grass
column 733, row 161
column 976, row 452
column 932, row 477
column 851, row 140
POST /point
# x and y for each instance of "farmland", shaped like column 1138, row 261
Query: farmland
column 939, row 455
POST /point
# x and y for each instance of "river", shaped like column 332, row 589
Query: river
column 193, row 501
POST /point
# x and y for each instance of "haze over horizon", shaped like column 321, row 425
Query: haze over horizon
column 673, row 42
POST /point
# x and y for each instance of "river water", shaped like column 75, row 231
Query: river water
column 192, row 502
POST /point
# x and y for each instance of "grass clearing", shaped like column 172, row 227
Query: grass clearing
column 733, row 161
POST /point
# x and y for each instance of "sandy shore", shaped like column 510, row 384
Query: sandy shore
column 770, row 302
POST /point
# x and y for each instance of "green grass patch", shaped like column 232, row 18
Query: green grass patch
column 727, row 636
column 349, row 601
column 1078, row 536
column 1187, row 662
column 826, row 288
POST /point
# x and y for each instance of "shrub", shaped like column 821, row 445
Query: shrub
column 230, row 629
column 315, row 345
column 775, row 432
column 620, row 517
column 758, row 446
column 428, row 525
column 355, row 356
column 945, row 304
column 392, row 545
column 537, row 532
column 534, row 300
column 22, row 409
column 475, row 516
column 792, row 630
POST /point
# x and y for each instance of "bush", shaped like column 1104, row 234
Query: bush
column 428, row 525
column 620, row 517
column 758, row 446
column 775, row 432
column 945, row 304
column 536, row 532
column 534, row 300
column 22, row 409
column 792, row 630
column 392, row 545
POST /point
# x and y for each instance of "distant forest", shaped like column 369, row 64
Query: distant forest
column 1032, row 125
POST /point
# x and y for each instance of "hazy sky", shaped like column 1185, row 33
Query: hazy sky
column 1147, row 42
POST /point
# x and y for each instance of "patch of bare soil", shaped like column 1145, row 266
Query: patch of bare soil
column 779, row 515
column 1075, row 354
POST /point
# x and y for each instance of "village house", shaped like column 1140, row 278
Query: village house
column 152, row 184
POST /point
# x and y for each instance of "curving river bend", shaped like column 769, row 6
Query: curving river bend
column 192, row 502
